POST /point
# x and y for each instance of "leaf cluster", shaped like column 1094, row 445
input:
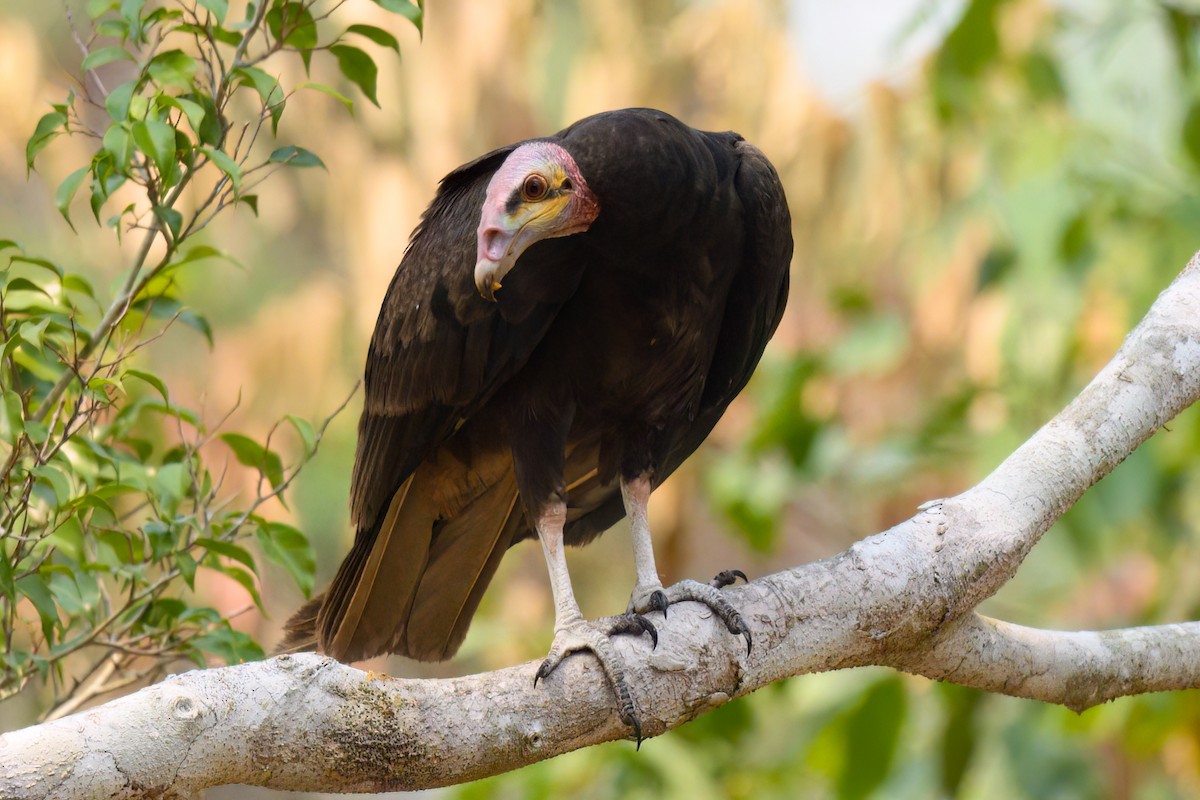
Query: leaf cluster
column 110, row 501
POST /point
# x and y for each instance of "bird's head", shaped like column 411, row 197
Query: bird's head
column 538, row 193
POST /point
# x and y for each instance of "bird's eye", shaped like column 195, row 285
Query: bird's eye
column 535, row 187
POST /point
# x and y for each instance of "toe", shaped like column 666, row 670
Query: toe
column 715, row 600
column 632, row 624
column 658, row 602
column 546, row 667
column 594, row 637
column 728, row 578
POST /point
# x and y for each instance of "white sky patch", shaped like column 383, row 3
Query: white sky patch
column 844, row 45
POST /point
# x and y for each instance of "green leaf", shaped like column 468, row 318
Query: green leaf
column 201, row 252
column 51, row 476
column 118, row 100
column 156, row 139
column 872, row 734
column 48, row 127
column 65, row 592
column 173, row 68
column 131, row 10
column 12, row 420
column 38, row 262
column 159, row 306
column 263, row 82
column 187, row 568
column 252, row 454
column 25, row 285
column 377, row 35
column 329, row 90
column 171, row 218
column 291, row 549
column 209, row 131
column 77, row 283
column 960, row 735
column 219, row 9
column 8, row 589
column 359, row 68
column 970, row 48
column 996, row 266
column 296, row 157
column 125, row 547
column 151, row 379
column 103, row 187
column 227, row 549
column 67, row 538
column 292, row 24
column 250, row 200
column 119, row 142
column 105, row 55
column 172, row 481
column 197, row 322
column 96, row 8
column 35, row 588
column 268, row 90
column 413, row 13
column 192, row 110
column 306, row 432
column 113, row 29
column 1043, row 78
column 66, row 192
column 233, row 647
column 33, row 332
column 1190, row 133
column 226, row 164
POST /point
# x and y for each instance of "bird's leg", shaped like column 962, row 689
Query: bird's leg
column 648, row 593
column 571, row 631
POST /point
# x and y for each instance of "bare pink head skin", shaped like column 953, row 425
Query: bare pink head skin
column 536, row 194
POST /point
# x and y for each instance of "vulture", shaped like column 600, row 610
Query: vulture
column 570, row 319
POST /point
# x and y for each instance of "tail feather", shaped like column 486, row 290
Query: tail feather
column 412, row 583
column 370, row 596
column 300, row 632
column 465, row 554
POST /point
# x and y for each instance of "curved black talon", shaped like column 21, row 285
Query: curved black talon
column 542, row 672
column 737, row 625
column 658, row 602
column 636, row 624
column 728, row 578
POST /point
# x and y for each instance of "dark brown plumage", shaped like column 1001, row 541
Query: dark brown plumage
column 608, row 353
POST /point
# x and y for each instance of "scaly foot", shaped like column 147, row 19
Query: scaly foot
column 710, row 595
column 654, row 598
column 594, row 636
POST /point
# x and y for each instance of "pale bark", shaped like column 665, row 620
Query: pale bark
column 903, row 598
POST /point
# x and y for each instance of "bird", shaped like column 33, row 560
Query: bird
column 570, row 319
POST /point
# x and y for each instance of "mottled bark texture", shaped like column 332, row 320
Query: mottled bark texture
column 903, row 598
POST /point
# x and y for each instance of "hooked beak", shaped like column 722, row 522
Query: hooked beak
column 499, row 249
column 502, row 238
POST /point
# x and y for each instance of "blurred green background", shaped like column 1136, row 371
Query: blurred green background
column 986, row 196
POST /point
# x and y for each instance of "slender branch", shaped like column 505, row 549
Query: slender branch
column 1077, row 669
column 116, row 310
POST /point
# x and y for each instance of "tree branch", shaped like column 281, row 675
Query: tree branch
column 903, row 598
column 1077, row 669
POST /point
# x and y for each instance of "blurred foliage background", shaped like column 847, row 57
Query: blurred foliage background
column 987, row 195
